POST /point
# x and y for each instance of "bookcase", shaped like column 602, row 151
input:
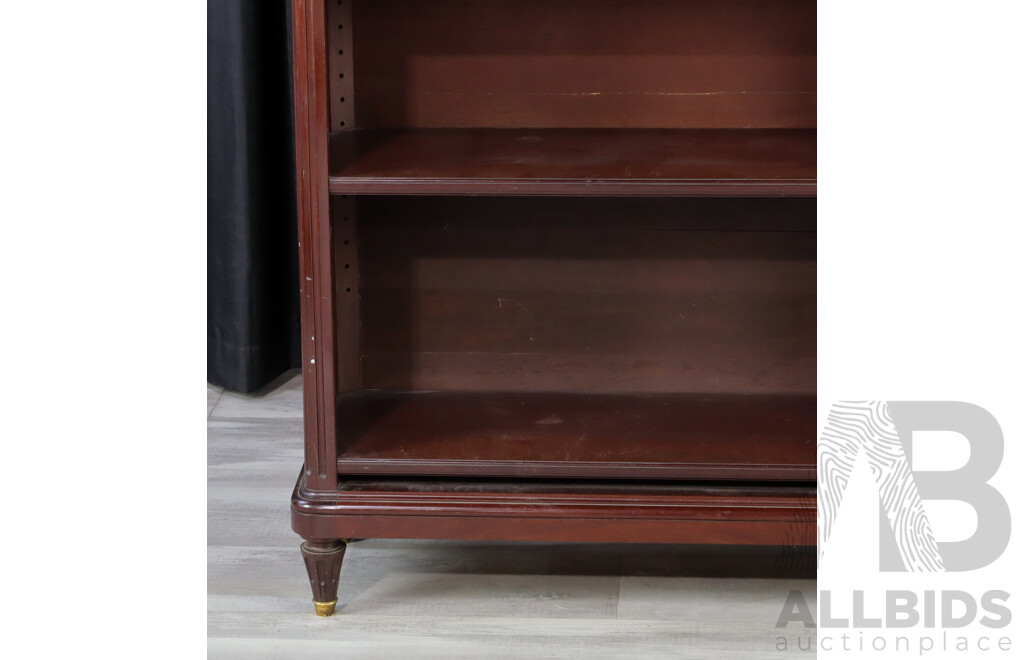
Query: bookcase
column 558, row 272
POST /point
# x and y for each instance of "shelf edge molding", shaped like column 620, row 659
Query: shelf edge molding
column 591, row 162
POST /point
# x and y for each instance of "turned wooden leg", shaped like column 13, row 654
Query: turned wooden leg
column 323, row 563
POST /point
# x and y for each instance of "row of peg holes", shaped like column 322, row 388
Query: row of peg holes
column 348, row 289
column 341, row 75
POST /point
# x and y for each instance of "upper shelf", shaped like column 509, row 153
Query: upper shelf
column 623, row 162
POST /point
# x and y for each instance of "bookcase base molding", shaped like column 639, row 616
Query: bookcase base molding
column 538, row 511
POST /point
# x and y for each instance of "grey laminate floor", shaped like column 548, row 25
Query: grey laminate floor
column 440, row 599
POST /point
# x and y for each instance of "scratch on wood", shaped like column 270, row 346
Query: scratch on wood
column 533, row 319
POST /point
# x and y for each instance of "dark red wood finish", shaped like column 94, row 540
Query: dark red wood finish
column 585, row 64
column 482, row 363
column 653, row 436
column 636, row 162
column 323, row 565
column 531, row 511
column 622, row 295
column 316, row 278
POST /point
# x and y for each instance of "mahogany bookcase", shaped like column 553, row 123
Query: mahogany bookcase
column 558, row 272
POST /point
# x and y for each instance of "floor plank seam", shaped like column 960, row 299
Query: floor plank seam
column 209, row 415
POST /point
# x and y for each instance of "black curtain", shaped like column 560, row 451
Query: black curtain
column 252, row 253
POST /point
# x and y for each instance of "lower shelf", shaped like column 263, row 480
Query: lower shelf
column 558, row 435
column 552, row 511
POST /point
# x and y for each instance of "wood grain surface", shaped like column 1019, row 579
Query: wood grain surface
column 530, row 434
column 589, row 295
column 586, row 63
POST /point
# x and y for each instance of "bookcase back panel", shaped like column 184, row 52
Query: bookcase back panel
column 585, row 63
column 588, row 295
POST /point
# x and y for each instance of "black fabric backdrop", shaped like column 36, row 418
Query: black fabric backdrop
column 252, row 253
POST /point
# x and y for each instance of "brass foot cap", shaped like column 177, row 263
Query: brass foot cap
column 325, row 609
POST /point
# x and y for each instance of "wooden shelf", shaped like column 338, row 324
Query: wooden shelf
column 648, row 436
column 625, row 162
